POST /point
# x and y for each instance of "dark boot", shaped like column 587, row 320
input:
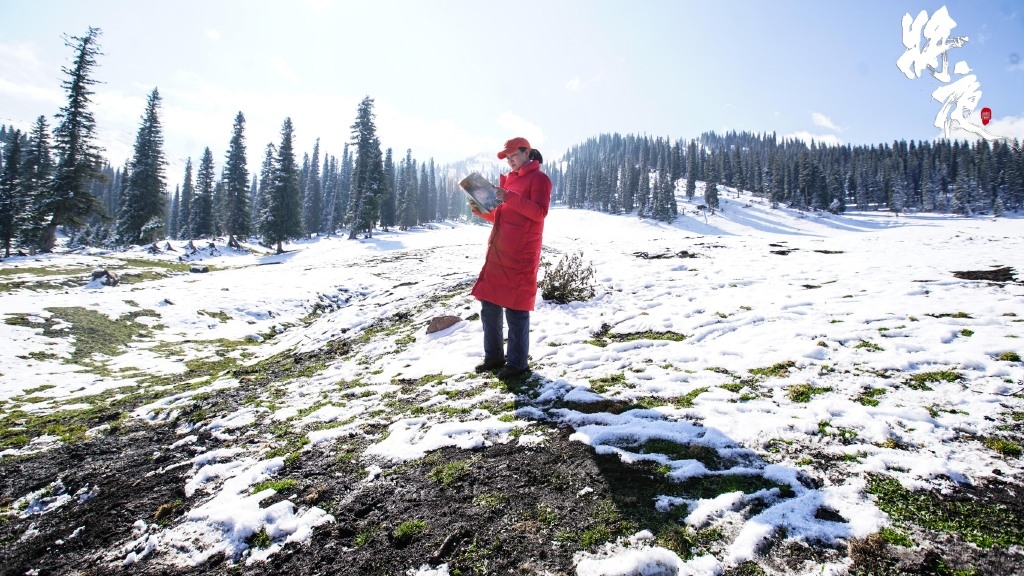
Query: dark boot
column 489, row 364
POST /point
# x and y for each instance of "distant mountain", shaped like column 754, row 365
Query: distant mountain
column 486, row 164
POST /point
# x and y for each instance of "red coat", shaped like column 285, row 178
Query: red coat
column 509, row 275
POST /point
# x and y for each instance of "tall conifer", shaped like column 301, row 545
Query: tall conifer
column 236, row 217
column 78, row 156
column 141, row 209
column 282, row 216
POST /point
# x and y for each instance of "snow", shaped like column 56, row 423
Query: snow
column 767, row 286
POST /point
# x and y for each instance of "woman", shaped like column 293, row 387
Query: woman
column 508, row 281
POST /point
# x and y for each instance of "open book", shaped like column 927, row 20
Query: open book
column 480, row 192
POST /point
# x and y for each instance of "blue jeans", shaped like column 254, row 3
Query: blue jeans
column 518, row 334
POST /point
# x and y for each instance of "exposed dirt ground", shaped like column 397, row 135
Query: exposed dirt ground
column 509, row 509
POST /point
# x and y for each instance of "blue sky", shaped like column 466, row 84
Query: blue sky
column 455, row 78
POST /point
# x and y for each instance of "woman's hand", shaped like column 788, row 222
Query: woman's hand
column 500, row 194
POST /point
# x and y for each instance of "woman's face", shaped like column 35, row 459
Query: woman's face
column 517, row 159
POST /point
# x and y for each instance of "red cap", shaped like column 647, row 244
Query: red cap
column 513, row 145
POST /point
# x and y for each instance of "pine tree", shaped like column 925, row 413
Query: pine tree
column 368, row 174
column 407, row 195
column 432, row 194
column 237, row 221
column 312, row 207
column 663, row 191
column 266, row 184
column 282, row 217
column 343, row 189
column 145, row 201
column 201, row 218
column 254, row 192
column 711, row 190
column 185, row 207
column 423, row 195
column 643, row 188
column 36, row 174
column 329, row 180
column 691, row 169
column 218, row 206
column 12, row 201
column 78, row 156
column 172, row 220
column 388, row 203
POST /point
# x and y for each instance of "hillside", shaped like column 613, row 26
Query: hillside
column 755, row 391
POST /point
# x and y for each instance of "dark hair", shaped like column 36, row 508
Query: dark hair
column 534, row 155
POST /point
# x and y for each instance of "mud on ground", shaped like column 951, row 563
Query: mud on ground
column 503, row 509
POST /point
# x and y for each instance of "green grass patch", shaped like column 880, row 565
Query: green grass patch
column 748, row 568
column 960, row 315
column 260, row 539
column 920, row 381
column 38, row 389
column 602, row 337
column 408, row 531
column 490, row 500
column 733, row 387
column 869, row 397
column 218, row 315
column 180, row 267
column 869, row 346
column 844, row 435
column 546, row 515
column 93, row 332
column 601, row 385
column 449, row 472
column 365, row 535
column 967, row 332
column 18, row 428
column 8, row 272
column 775, row 370
column 803, row 392
column 1009, row 357
column 985, row 524
column 686, row 400
column 678, row 451
column 276, row 485
column 1003, row 446
column 648, row 335
column 895, row 537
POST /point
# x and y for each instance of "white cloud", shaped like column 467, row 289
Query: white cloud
column 1011, row 127
column 278, row 63
column 443, row 139
column 28, row 82
column 807, row 137
column 824, row 121
column 518, row 126
column 213, row 34
column 577, row 82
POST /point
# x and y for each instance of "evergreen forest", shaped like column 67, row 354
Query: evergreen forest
column 55, row 179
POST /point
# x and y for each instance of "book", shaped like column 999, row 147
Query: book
column 480, row 192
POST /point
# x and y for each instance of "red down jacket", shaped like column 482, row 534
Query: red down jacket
column 509, row 275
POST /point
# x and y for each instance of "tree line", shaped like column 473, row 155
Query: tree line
column 61, row 181
column 642, row 174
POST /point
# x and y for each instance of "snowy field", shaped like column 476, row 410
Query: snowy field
column 780, row 339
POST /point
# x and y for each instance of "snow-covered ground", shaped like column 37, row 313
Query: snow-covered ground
column 846, row 307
